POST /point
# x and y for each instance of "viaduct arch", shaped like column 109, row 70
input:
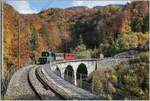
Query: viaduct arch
column 58, row 72
column 81, row 73
column 71, row 70
column 69, row 74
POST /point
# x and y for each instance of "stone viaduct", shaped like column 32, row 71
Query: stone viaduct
column 80, row 68
column 41, row 81
column 73, row 69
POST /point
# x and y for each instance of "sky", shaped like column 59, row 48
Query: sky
column 35, row 6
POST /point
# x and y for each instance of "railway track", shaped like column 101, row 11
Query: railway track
column 64, row 88
column 33, row 82
column 31, row 85
column 43, row 91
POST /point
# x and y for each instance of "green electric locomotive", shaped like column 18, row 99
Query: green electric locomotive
column 46, row 57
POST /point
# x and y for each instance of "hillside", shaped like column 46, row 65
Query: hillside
column 128, row 80
column 109, row 29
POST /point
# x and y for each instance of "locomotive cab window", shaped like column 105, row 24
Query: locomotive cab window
column 45, row 54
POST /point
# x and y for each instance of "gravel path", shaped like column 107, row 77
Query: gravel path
column 19, row 87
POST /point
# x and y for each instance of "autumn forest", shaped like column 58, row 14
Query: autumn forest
column 85, row 31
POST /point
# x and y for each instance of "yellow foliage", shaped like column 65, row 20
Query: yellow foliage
column 142, row 38
column 133, row 40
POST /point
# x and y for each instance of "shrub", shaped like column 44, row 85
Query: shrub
column 83, row 54
column 142, row 58
column 130, row 80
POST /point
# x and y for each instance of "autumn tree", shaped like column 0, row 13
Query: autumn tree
column 139, row 22
column 53, row 37
column 33, row 43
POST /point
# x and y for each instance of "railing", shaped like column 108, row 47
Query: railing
column 81, row 60
column 77, row 60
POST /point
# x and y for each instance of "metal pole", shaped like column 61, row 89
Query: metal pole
column 1, row 52
column 1, row 39
column 18, row 42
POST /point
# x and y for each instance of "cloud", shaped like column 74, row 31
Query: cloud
column 91, row 4
column 35, row 6
column 40, row 4
column 22, row 6
column 78, row 3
